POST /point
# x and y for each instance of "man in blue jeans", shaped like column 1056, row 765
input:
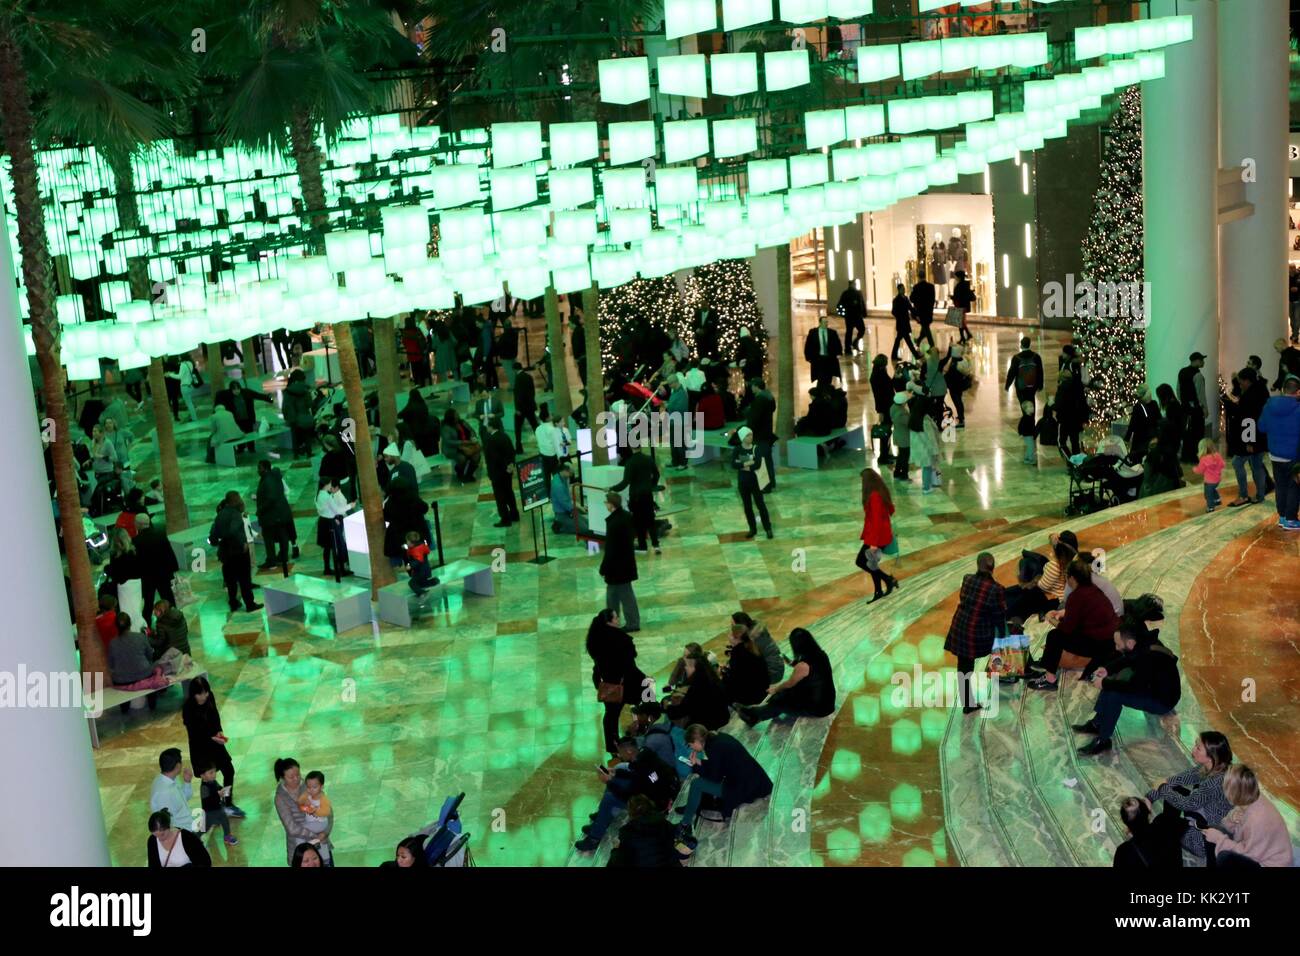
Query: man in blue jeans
column 639, row 771
column 1280, row 422
column 1143, row 675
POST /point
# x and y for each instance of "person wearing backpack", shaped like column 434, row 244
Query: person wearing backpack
column 1025, row 372
column 654, row 731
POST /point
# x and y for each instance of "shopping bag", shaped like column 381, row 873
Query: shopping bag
column 955, row 317
column 892, row 547
column 183, row 591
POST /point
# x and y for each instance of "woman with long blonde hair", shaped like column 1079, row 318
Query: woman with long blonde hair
column 877, row 532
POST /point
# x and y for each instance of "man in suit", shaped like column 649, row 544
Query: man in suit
column 1025, row 372
column 923, row 299
column 487, row 405
column 641, row 478
column 158, row 563
column 500, row 457
column 759, row 417
column 618, row 566
column 822, row 350
column 854, row 309
column 525, row 403
column 902, row 310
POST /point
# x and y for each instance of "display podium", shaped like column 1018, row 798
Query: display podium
column 596, row 482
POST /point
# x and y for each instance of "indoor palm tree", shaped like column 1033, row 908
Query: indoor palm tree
column 293, row 67
column 65, row 70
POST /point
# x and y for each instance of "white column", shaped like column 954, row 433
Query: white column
column 1180, row 162
column 1255, row 122
column 763, row 268
column 49, row 797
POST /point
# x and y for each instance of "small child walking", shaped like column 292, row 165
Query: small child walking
column 213, row 798
column 417, row 563
column 1210, row 467
column 1028, row 432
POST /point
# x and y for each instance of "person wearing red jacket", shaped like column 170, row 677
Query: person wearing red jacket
column 1087, row 627
column 877, row 533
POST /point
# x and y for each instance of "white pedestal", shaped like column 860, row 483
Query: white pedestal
column 596, row 482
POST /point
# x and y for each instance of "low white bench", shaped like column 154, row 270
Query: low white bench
column 711, row 445
column 224, row 453
column 185, row 541
column 115, row 697
column 395, row 600
column 349, row 602
column 802, row 452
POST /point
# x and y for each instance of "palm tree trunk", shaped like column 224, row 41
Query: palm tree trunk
column 216, row 371
column 372, row 502
column 595, row 374
column 784, row 349
column 178, row 515
column 386, row 374
column 249, row 348
column 307, row 158
column 562, row 404
column 17, row 125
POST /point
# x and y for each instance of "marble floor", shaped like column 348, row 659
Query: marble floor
column 492, row 696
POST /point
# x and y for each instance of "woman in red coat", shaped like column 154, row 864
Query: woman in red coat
column 877, row 533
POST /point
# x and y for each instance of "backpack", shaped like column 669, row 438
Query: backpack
column 679, row 746
column 1027, row 375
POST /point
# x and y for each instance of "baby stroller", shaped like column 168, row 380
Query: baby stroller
column 445, row 842
column 107, row 496
column 1088, row 492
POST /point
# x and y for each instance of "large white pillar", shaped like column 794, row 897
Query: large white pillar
column 49, row 798
column 1180, row 163
column 1255, row 121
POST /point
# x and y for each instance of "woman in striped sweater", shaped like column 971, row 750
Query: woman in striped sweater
column 1199, row 791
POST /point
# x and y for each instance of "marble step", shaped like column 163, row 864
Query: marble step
column 1049, row 746
column 972, row 827
column 1024, row 822
column 789, row 820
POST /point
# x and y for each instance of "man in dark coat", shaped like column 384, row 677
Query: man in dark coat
column 1025, row 372
column 1152, row 844
column 500, row 457
column 642, row 774
column 923, row 299
column 618, row 566
column 641, row 478
column 854, row 309
column 1251, row 395
column 230, row 537
column 727, row 773
column 158, row 564
column 274, row 515
column 1142, row 674
column 1143, row 422
column 1196, row 408
column 749, row 356
column 902, row 311
column 525, row 403
column 980, row 617
column 759, row 418
column 487, row 405
column 822, row 350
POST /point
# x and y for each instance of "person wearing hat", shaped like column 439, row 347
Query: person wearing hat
column 1044, row 591
column 749, row 466
column 400, row 473
column 963, row 297
column 822, row 350
column 1196, row 410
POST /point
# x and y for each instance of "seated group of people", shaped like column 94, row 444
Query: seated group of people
column 679, row 742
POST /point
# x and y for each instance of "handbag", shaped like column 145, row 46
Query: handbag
column 955, row 317
column 880, row 431
column 183, row 591
column 892, row 547
column 608, row 692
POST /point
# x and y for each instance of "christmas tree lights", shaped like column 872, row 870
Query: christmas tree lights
column 1113, row 347
column 638, row 321
column 727, row 287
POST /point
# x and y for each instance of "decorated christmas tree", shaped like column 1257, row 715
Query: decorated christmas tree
column 638, row 321
column 1113, row 346
column 727, row 288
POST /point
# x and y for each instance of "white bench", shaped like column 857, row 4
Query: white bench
column 185, row 541
column 224, row 453
column 350, row 603
column 114, row 697
column 802, row 452
column 395, row 600
column 710, row 445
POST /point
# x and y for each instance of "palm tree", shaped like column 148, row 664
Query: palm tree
column 74, row 59
column 562, row 404
column 295, row 66
column 387, row 379
column 595, row 373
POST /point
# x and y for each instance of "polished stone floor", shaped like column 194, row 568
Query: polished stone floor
column 492, row 696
